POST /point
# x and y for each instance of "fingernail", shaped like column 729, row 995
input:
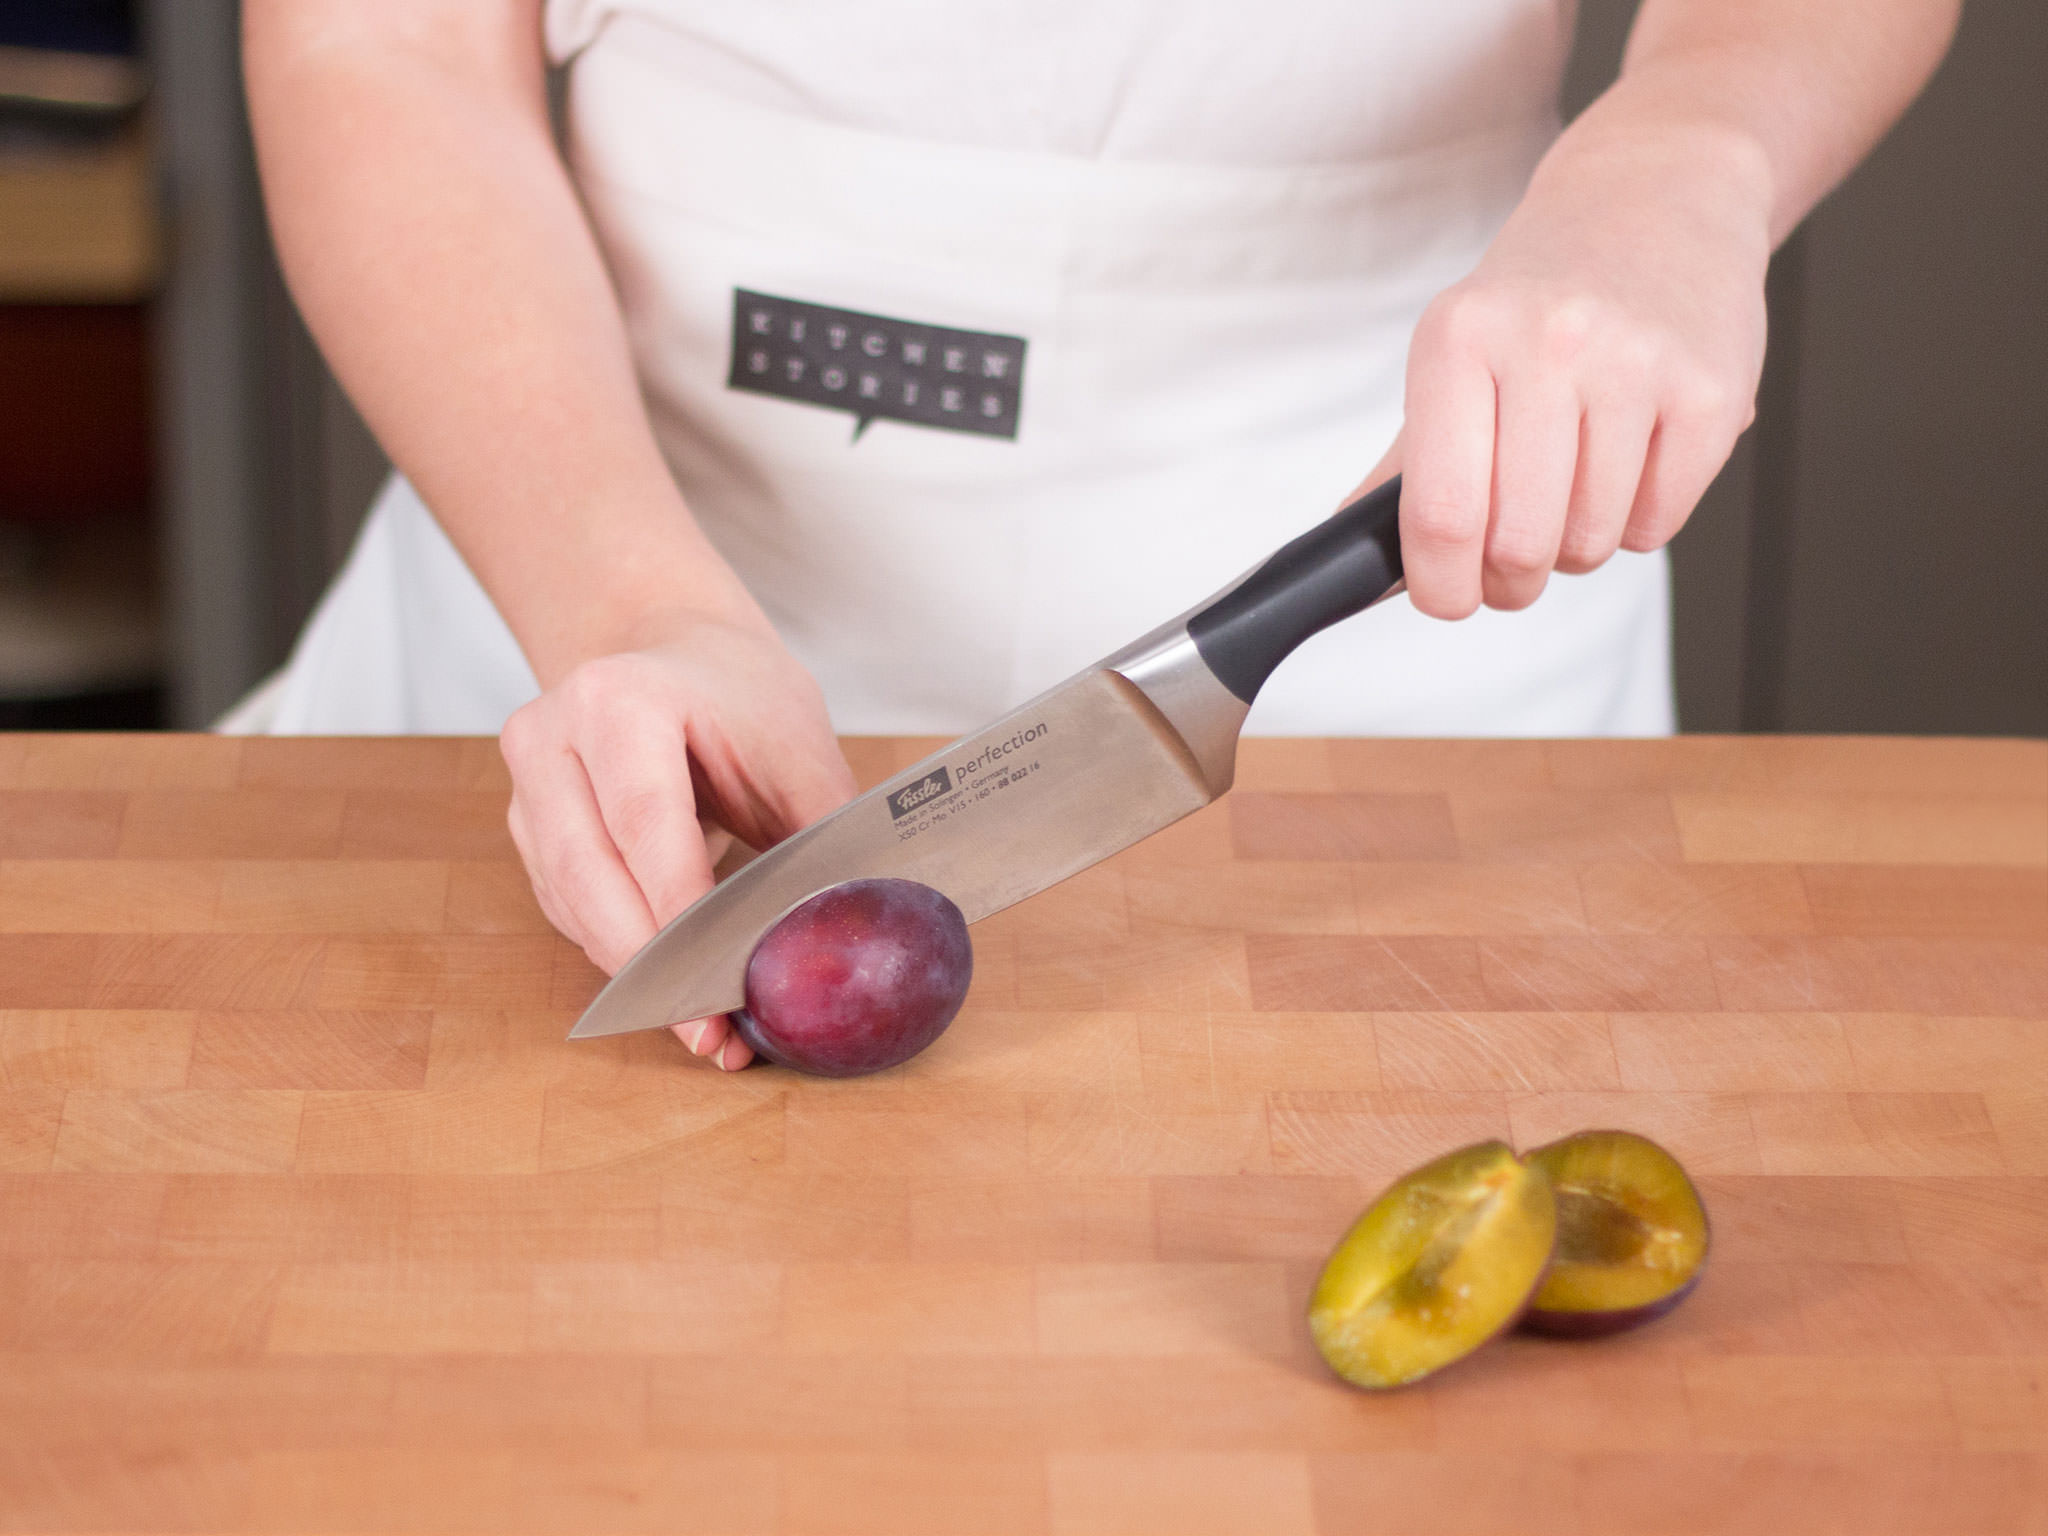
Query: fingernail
column 723, row 1064
column 697, row 1034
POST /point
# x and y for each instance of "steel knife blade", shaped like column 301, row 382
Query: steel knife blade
column 1110, row 756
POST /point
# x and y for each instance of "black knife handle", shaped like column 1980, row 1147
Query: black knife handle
column 1339, row 567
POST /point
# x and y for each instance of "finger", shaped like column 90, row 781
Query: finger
column 1535, row 455
column 527, row 733
column 572, row 851
column 809, row 783
column 697, row 1034
column 1685, row 454
column 700, row 1036
column 716, row 1038
column 550, row 906
column 1614, row 439
column 717, row 841
column 639, row 770
column 1447, row 484
column 776, row 788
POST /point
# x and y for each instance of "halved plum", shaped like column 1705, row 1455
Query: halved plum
column 860, row 977
column 1632, row 1235
column 1447, row 1258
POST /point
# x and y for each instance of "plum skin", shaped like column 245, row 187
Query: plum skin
column 1556, row 1323
column 856, row 979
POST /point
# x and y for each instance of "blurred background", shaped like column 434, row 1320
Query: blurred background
column 179, row 475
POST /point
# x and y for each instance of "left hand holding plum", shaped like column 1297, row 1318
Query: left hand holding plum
column 1579, row 391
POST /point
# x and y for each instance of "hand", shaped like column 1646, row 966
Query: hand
column 625, row 771
column 1580, row 390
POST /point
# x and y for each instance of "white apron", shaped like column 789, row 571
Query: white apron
column 1212, row 356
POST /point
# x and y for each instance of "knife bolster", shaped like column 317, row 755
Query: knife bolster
column 1169, row 671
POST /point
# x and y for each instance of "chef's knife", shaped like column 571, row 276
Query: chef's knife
column 1130, row 745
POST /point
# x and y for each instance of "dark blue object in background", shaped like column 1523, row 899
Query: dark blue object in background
column 69, row 26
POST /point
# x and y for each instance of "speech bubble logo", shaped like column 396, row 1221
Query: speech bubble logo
column 877, row 368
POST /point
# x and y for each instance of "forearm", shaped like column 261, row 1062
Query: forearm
column 1775, row 99
column 437, row 249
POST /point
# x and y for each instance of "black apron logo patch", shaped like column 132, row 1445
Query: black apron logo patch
column 876, row 368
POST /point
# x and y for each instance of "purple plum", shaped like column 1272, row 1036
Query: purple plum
column 860, row 977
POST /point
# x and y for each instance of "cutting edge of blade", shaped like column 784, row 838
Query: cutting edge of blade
column 585, row 1029
column 614, row 998
column 620, row 997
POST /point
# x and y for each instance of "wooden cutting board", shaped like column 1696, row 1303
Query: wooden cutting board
column 311, row 1219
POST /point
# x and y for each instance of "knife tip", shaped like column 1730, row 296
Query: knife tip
column 597, row 1021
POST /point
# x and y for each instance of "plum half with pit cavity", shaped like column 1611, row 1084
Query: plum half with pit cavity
column 1631, row 1235
column 1447, row 1258
column 860, row 977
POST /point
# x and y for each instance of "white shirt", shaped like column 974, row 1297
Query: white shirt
column 1213, row 82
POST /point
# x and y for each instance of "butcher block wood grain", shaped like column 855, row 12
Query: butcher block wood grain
column 311, row 1219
